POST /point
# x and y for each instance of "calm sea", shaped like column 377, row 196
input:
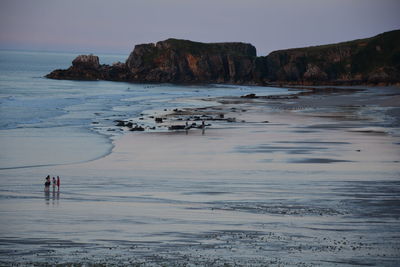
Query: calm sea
column 46, row 122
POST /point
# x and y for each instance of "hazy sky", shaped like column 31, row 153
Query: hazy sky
column 117, row 25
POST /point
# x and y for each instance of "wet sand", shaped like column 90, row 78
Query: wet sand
column 305, row 181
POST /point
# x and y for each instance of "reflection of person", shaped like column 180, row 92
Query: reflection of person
column 58, row 182
column 47, row 196
column 47, row 183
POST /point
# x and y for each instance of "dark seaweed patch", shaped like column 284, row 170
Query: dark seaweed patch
column 317, row 160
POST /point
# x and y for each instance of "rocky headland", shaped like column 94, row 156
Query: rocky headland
column 374, row 61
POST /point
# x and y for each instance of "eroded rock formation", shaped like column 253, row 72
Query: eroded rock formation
column 374, row 60
column 185, row 61
column 365, row 61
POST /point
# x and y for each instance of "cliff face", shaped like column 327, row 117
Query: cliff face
column 370, row 61
column 185, row 61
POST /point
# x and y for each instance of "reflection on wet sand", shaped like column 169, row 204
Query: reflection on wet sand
column 244, row 194
column 55, row 196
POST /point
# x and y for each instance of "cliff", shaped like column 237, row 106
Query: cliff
column 186, row 61
column 373, row 60
column 365, row 61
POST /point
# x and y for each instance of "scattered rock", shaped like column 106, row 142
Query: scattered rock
column 137, row 128
column 249, row 96
column 119, row 123
column 176, row 127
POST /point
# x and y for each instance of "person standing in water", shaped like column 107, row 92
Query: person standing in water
column 47, row 183
column 54, row 183
column 58, row 183
column 187, row 127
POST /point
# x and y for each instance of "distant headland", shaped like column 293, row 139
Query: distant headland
column 372, row 61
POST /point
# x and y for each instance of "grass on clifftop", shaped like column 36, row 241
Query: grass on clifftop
column 230, row 48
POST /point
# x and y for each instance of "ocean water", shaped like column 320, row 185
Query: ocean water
column 318, row 187
column 51, row 122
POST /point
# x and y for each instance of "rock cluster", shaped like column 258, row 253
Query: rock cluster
column 374, row 60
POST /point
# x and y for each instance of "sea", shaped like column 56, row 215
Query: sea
column 288, row 186
column 48, row 122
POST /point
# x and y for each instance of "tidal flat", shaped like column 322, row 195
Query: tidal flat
column 305, row 181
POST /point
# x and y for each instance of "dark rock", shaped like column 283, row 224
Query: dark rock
column 87, row 67
column 176, row 127
column 249, row 96
column 129, row 124
column 158, row 120
column 353, row 62
column 137, row 128
column 176, row 60
column 86, row 62
column 119, row 123
column 280, row 97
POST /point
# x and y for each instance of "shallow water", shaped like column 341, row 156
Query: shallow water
column 208, row 218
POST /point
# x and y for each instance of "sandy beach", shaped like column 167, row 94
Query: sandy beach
column 306, row 180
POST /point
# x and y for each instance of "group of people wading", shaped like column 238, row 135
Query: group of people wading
column 55, row 183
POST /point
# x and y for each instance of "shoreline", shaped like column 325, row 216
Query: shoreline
column 320, row 111
column 225, row 110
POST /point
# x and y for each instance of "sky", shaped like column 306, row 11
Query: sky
column 116, row 26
